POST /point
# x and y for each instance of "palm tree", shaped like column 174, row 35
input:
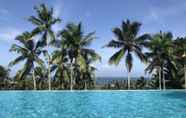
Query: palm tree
column 41, row 75
column 44, row 21
column 4, row 75
column 180, row 52
column 88, row 72
column 77, row 44
column 160, row 55
column 60, row 60
column 141, row 83
column 128, row 42
column 28, row 52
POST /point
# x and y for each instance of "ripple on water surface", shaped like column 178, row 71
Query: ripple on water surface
column 113, row 104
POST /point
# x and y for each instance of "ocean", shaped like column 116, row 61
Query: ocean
column 106, row 80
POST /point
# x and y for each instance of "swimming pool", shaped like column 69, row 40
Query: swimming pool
column 93, row 104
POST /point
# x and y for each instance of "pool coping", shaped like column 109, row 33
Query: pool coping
column 152, row 90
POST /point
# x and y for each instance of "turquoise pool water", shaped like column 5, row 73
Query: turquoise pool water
column 94, row 104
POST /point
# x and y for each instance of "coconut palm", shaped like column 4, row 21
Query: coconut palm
column 88, row 74
column 128, row 42
column 41, row 73
column 43, row 23
column 60, row 60
column 4, row 76
column 161, row 55
column 77, row 44
column 4, row 73
column 180, row 53
column 29, row 53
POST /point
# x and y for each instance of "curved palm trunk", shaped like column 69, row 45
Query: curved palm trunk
column 128, row 73
column 34, row 80
column 160, row 78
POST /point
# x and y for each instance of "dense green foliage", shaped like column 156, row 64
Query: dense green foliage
column 64, row 59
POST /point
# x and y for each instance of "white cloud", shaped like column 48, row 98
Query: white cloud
column 8, row 34
column 58, row 8
column 160, row 13
column 4, row 11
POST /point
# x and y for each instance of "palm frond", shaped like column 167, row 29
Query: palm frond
column 35, row 20
column 118, row 33
column 114, row 44
column 115, row 59
column 16, row 61
column 18, row 49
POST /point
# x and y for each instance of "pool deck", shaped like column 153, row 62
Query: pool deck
column 152, row 90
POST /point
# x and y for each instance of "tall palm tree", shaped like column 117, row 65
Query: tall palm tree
column 160, row 55
column 60, row 60
column 44, row 21
column 29, row 52
column 128, row 42
column 180, row 52
column 77, row 44
column 88, row 73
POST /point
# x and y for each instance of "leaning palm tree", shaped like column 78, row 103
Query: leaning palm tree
column 161, row 57
column 128, row 42
column 77, row 43
column 44, row 21
column 28, row 52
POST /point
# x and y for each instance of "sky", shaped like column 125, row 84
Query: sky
column 96, row 15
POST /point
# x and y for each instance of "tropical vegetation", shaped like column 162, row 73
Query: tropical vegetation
column 63, row 60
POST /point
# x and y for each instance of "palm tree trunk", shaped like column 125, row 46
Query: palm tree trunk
column 34, row 80
column 128, row 80
column 71, row 77
column 85, row 85
column 94, row 82
column 163, row 79
column 160, row 78
column 185, row 74
column 49, row 76
column 40, row 85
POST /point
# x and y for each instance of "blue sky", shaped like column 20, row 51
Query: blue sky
column 96, row 15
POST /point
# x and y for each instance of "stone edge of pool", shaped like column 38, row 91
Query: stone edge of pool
column 171, row 90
